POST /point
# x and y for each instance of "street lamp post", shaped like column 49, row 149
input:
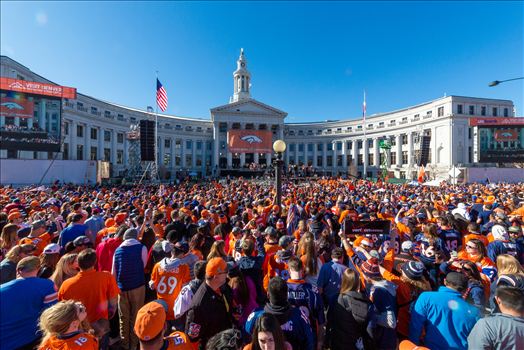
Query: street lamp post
column 279, row 146
column 496, row 82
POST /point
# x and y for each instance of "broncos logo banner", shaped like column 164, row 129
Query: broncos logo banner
column 10, row 107
column 249, row 141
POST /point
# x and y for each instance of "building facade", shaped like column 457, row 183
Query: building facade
column 97, row 130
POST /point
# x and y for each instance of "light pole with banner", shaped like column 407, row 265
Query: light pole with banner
column 279, row 146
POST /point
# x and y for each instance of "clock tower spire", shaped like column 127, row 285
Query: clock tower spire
column 241, row 79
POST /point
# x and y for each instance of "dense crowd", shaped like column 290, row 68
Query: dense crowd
column 220, row 265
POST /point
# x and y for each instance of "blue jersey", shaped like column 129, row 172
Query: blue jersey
column 294, row 324
column 22, row 302
column 330, row 279
column 452, row 239
column 304, row 295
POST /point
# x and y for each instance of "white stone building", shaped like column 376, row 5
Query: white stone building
column 96, row 130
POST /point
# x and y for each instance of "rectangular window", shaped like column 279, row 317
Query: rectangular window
column 94, row 133
column 404, row 157
column 301, row 147
column 483, row 110
column 404, row 139
column 79, row 131
column 329, row 161
column 80, row 152
column 339, row 146
column 393, row 158
column 471, row 109
column 92, row 155
column 178, row 144
column 199, row 145
column 370, row 159
column 119, row 156
column 310, row 147
column 440, row 112
column 167, row 159
column 107, row 135
column 319, row 161
column 107, row 154
column 94, row 110
column 189, row 160
column 178, row 160
column 120, row 137
column 120, row 117
column 66, row 128
column 459, row 109
column 506, row 112
column 359, row 144
column 495, row 110
column 320, row 146
column 167, row 143
column 330, row 146
column 370, row 143
column 189, row 144
column 360, row 160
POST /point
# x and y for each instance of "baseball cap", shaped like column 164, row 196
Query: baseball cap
column 182, row 247
column 38, row 224
column 284, row 241
column 408, row 345
column 14, row 215
column 284, row 255
column 215, row 266
column 150, row 320
column 514, row 229
column 52, row 248
column 406, row 246
column 81, row 240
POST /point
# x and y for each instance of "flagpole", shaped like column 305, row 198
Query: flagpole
column 365, row 156
column 156, row 131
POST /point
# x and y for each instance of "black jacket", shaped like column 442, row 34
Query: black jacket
column 347, row 320
column 209, row 314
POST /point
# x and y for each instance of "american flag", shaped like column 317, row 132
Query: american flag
column 161, row 96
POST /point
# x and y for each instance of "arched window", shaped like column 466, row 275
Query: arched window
column 243, row 84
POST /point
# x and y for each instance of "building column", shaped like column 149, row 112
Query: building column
column 203, row 155
column 255, row 157
column 87, row 143
column 315, row 155
column 100, row 155
column 113, row 156
column 410, row 149
column 434, row 145
column 344, row 156
column 398, row 141
column 193, row 155
column 354, row 153
column 365, row 155
column 286, row 156
column 229, row 155
column 42, row 120
column 324, row 155
column 216, row 143
column 376, row 150
column 73, row 140
column 183, row 153
column 160, row 150
column 335, row 163
column 268, row 159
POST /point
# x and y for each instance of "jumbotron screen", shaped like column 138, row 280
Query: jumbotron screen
column 501, row 140
column 31, row 115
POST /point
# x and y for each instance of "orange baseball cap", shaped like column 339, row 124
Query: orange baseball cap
column 14, row 215
column 215, row 266
column 110, row 222
column 150, row 320
column 120, row 217
column 35, row 204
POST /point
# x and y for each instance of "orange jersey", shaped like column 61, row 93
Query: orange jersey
column 40, row 242
column 168, row 278
column 79, row 341
column 178, row 341
column 275, row 268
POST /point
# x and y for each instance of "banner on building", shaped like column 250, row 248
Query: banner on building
column 250, row 141
column 35, row 88
column 506, row 135
column 16, row 108
column 495, row 121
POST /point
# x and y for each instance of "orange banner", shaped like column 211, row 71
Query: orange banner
column 10, row 107
column 33, row 87
column 250, row 141
column 506, row 135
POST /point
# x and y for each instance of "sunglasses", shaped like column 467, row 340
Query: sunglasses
column 471, row 246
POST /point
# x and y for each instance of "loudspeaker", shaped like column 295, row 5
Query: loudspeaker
column 147, row 140
column 424, row 150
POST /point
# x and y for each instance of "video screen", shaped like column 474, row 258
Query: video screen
column 501, row 144
column 30, row 122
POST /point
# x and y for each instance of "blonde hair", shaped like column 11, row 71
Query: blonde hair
column 306, row 247
column 217, row 250
column 13, row 254
column 8, row 238
column 507, row 264
column 57, row 319
column 64, row 269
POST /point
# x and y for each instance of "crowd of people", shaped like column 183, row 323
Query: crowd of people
column 226, row 265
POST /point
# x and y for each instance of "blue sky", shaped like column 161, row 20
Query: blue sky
column 310, row 59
